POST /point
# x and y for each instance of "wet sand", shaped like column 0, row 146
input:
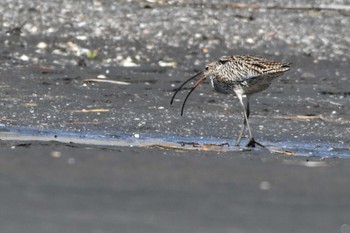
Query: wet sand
column 78, row 188
column 90, row 143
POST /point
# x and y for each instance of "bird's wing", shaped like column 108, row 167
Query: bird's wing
column 250, row 67
column 237, row 71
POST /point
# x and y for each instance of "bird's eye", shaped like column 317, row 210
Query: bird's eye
column 223, row 61
column 207, row 68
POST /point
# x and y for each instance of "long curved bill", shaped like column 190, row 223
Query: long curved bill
column 183, row 84
column 192, row 89
column 202, row 78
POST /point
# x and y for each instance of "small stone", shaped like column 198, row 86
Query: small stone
column 81, row 37
column 41, row 45
column 101, row 76
column 24, row 58
column 71, row 161
column 167, row 64
column 250, row 41
column 264, row 185
column 128, row 62
column 56, row 154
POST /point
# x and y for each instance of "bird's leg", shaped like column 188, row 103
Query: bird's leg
column 252, row 141
column 245, row 114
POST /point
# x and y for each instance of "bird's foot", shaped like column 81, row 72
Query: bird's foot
column 252, row 143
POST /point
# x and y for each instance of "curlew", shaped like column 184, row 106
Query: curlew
column 242, row 75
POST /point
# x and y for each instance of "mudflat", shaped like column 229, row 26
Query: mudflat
column 90, row 142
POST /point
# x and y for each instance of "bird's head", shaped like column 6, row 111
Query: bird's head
column 210, row 69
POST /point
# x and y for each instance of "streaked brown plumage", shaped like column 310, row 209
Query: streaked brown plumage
column 242, row 75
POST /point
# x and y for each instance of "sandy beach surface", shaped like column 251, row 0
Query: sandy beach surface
column 90, row 142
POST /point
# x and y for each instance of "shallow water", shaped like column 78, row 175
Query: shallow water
column 290, row 148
